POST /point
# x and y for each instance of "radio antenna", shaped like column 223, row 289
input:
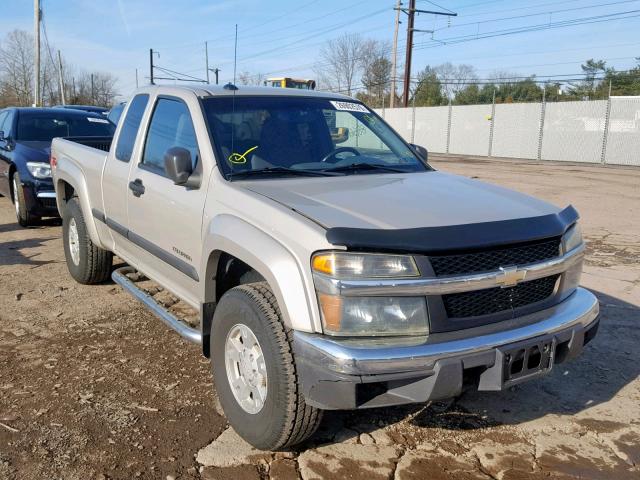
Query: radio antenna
column 235, row 55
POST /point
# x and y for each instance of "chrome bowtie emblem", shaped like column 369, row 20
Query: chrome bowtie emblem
column 510, row 276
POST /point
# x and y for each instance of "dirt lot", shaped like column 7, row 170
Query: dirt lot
column 94, row 387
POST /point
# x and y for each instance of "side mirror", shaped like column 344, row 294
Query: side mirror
column 177, row 164
column 421, row 151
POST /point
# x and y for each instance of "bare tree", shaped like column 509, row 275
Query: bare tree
column 247, row 78
column 16, row 77
column 454, row 78
column 16, row 69
column 341, row 62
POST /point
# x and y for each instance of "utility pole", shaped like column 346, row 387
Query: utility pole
column 60, row 79
column 409, row 51
column 92, row 91
column 36, row 37
column 216, row 71
column 151, row 66
column 136, row 78
column 407, row 63
column 206, row 59
column 394, row 67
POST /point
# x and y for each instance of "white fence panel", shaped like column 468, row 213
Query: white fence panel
column 623, row 139
column 516, row 130
column 470, row 127
column 400, row 119
column 574, row 131
column 431, row 128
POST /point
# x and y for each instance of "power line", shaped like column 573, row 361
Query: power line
column 532, row 28
column 283, row 48
column 261, row 34
column 528, row 15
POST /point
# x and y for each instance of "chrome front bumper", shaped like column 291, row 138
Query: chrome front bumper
column 431, row 367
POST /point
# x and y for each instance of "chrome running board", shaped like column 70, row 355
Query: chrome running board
column 120, row 277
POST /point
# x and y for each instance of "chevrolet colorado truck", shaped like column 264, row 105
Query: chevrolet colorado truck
column 331, row 265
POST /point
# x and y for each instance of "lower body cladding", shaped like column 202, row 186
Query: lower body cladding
column 339, row 373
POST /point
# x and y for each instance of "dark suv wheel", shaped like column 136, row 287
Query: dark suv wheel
column 25, row 219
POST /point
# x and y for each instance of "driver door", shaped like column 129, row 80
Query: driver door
column 165, row 219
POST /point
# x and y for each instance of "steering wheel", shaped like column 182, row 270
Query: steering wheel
column 338, row 151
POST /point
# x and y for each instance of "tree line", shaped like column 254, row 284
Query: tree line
column 362, row 67
column 17, row 77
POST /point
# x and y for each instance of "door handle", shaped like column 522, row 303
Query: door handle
column 136, row 187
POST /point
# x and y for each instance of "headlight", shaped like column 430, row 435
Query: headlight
column 39, row 170
column 373, row 316
column 367, row 316
column 364, row 265
column 572, row 239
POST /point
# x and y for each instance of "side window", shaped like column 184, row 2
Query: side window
column 129, row 131
column 3, row 116
column 170, row 126
column 8, row 123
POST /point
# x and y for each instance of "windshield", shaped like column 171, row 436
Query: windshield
column 306, row 134
column 44, row 127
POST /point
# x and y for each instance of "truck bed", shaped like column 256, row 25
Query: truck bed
column 100, row 143
column 86, row 156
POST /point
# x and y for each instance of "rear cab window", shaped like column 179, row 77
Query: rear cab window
column 170, row 126
column 130, row 126
column 44, row 126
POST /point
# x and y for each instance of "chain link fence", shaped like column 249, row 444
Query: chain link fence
column 593, row 131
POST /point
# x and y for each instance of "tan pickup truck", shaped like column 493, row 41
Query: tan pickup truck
column 331, row 271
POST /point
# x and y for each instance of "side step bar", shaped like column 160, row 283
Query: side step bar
column 120, row 277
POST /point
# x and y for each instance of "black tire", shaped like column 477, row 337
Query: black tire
column 94, row 263
column 285, row 419
column 25, row 219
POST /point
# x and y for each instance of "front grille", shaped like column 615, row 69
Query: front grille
column 497, row 299
column 48, row 202
column 493, row 259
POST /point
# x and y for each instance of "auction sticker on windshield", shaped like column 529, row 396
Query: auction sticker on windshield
column 97, row 120
column 349, row 106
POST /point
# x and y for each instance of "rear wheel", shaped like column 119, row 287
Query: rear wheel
column 86, row 262
column 254, row 370
column 25, row 219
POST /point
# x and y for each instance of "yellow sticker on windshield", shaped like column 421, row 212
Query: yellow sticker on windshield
column 240, row 158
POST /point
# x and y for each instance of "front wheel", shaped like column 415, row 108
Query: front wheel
column 24, row 217
column 86, row 262
column 255, row 373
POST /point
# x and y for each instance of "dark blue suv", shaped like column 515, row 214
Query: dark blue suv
column 25, row 146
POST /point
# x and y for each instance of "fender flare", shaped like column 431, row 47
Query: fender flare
column 271, row 259
column 67, row 171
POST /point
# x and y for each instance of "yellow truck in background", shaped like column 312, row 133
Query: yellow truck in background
column 288, row 82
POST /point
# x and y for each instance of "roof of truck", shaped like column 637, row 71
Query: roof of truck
column 219, row 91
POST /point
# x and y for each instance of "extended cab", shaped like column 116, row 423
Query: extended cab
column 332, row 267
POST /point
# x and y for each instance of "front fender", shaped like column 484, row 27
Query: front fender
column 269, row 258
column 67, row 171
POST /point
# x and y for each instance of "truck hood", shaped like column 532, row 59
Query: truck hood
column 399, row 201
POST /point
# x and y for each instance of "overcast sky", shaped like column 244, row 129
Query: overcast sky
column 284, row 36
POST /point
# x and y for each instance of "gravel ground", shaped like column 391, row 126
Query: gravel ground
column 94, row 387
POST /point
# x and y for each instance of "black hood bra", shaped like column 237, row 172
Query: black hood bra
column 455, row 237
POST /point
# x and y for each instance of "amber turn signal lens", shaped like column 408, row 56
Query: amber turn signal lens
column 331, row 307
column 324, row 263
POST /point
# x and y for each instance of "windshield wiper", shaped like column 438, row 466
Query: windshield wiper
column 279, row 170
column 363, row 166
